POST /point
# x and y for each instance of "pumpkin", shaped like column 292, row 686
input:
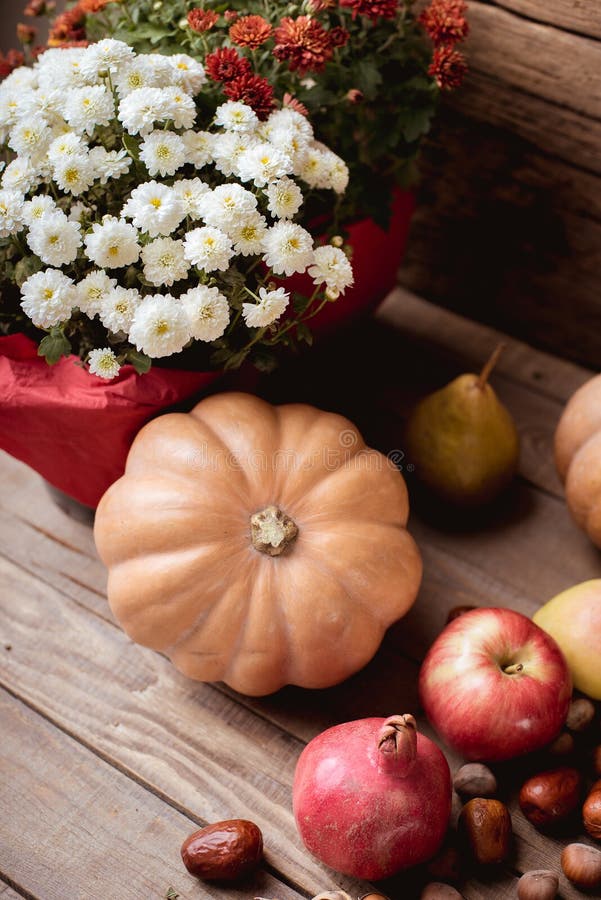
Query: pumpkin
column 258, row 545
column 578, row 457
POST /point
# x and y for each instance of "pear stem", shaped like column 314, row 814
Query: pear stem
column 489, row 366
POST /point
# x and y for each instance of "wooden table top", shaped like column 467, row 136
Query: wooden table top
column 110, row 758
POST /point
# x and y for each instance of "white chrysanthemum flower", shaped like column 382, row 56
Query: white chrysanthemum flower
column 117, row 308
column 199, row 147
column 270, row 307
column 105, row 56
column 155, row 209
column 90, row 292
column 89, row 106
column 30, row 137
column 284, row 198
column 229, row 147
column 103, row 363
column 289, row 120
column 338, row 173
column 112, row 244
column 48, row 104
column 139, row 110
column 208, row 312
column 38, row 207
column 226, row 204
column 179, row 107
column 48, row 298
column 137, row 73
column 292, row 145
column 208, row 248
column 316, row 168
column 55, row 239
column 164, row 261
column 60, row 69
column 187, row 73
column 78, row 211
column 20, row 175
column 160, row 326
column 109, row 165
column 12, row 211
column 288, row 248
column 331, row 265
column 191, row 191
column 74, row 174
column 20, row 80
column 161, row 66
column 10, row 108
column 68, row 144
column 248, row 234
column 236, row 116
column 163, row 153
column 263, row 164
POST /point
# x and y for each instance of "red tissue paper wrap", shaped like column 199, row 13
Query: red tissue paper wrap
column 76, row 429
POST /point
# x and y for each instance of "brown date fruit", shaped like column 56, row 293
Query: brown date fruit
column 225, row 851
column 591, row 811
column 550, row 797
column 539, row 884
column 485, row 828
column 582, row 865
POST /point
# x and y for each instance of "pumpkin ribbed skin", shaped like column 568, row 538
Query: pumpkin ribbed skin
column 185, row 578
column 578, row 457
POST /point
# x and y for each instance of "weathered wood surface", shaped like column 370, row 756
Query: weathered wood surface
column 508, row 228
column 171, row 753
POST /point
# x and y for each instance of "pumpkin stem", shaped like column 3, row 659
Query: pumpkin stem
column 272, row 531
column 397, row 746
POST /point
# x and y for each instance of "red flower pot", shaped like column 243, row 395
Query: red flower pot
column 76, row 430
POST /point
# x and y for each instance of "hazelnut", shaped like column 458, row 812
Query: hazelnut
column 540, row 884
column 549, row 798
column 591, row 811
column 597, row 760
column 225, row 851
column 562, row 745
column 446, row 865
column 485, row 827
column 580, row 714
column 332, row 895
column 458, row 611
column 582, row 865
column 373, row 897
column 475, row 780
column 436, row 890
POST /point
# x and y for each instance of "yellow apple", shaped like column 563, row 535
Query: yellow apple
column 573, row 618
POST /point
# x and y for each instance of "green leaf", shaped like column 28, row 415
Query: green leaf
column 417, row 125
column 131, row 145
column 139, row 361
column 264, row 361
column 54, row 346
column 368, row 78
column 300, row 302
column 303, row 333
column 27, row 266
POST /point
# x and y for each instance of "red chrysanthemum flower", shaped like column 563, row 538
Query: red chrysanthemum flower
column 26, row 33
column 445, row 21
column 339, row 36
column 304, row 42
column 373, row 9
column 250, row 31
column 225, row 64
column 39, row 8
column 448, row 67
column 319, row 5
column 230, row 15
column 253, row 90
column 201, row 20
column 291, row 102
column 67, row 27
column 94, row 6
column 12, row 60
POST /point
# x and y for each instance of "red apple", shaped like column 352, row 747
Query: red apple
column 495, row 685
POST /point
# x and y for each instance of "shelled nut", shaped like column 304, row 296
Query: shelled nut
column 550, row 797
column 591, row 811
column 582, row 865
column 562, row 745
column 580, row 714
column 485, row 827
column 436, row 890
column 475, row 780
column 539, row 884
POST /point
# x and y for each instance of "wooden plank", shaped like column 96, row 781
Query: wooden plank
column 74, row 827
column 7, row 893
column 581, row 16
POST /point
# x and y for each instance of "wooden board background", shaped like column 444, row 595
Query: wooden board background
column 508, row 227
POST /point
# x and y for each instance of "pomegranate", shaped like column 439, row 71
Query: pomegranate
column 372, row 797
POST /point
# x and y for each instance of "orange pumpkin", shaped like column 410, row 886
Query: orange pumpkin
column 258, row 545
column 578, row 457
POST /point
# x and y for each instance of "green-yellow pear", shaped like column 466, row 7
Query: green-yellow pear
column 573, row 618
column 462, row 441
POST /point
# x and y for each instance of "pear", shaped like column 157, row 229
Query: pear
column 573, row 618
column 462, row 440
